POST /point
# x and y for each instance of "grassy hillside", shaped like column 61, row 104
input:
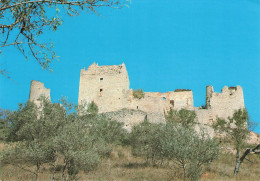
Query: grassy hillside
column 122, row 165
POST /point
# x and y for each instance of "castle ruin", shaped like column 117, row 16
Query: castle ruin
column 108, row 87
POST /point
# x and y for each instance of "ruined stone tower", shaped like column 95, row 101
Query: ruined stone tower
column 107, row 86
column 225, row 103
column 37, row 90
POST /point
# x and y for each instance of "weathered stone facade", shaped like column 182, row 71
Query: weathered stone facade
column 223, row 104
column 37, row 90
column 108, row 87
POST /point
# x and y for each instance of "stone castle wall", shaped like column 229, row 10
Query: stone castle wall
column 225, row 103
column 131, row 117
column 108, row 87
column 156, row 102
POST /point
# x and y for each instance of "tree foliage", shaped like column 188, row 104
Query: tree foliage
column 145, row 141
column 4, row 125
column 237, row 128
column 189, row 150
column 32, row 130
column 24, row 21
column 184, row 117
column 50, row 132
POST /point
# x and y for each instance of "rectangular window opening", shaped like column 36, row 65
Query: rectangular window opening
column 100, row 92
column 172, row 102
column 100, row 79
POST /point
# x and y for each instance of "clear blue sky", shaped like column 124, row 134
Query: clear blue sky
column 165, row 45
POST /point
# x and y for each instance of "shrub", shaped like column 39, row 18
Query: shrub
column 184, row 117
column 190, row 150
column 42, row 134
column 182, row 145
column 139, row 94
column 145, row 141
column 4, row 126
column 237, row 129
column 182, row 90
column 92, row 108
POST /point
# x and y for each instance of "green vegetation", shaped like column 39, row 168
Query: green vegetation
column 237, row 129
column 56, row 135
column 56, row 141
column 92, row 108
column 181, row 90
column 138, row 94
column 184, row 117
column 160, row 144
column 4, row 124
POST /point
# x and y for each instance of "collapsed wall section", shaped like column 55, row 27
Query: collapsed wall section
column 162, row 102
column 179, row 99
column 225, row 103
column 37, row 90
column 132, row 117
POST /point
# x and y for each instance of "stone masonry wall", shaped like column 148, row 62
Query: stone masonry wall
column 107, row 86
column 225, row 103
column 37, row 90
column 162, row 102
column 131, row 117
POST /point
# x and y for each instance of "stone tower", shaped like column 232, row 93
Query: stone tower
column 209, row 92
column 225, row 103
column 37, row 90
column 107, row 86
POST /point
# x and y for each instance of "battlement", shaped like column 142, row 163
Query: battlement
column 95, row 69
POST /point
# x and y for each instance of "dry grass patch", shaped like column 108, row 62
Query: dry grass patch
column 123, row 166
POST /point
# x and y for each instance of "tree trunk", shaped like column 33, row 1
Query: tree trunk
column 184, row 172
column 255, row 150
column 37, row 172
column 237, row 162
column 63, row 171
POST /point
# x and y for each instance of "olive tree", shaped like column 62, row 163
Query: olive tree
column 237, row 128
column 189, row 150
column 78, row 149
column 32, row 130
column 145, row 141
column 49, row 132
